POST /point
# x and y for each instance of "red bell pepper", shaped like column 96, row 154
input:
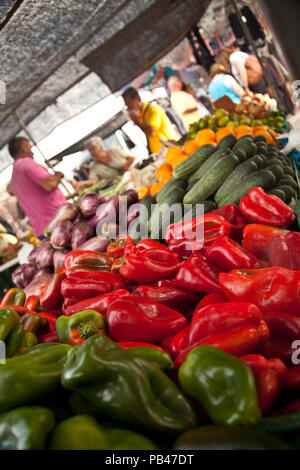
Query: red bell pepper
column 203, row 229
column 269, row 377
column 184, row 248
column 51, row 319
column 232, row 214
column 222, row 317
column 266, row 209
column 292, row 379
column 149, row 265
column 33, row 303
column 284, row 250
column 227, row 254
column 197, row 275
column 283, row 325
column 52, row 298
column 237, row 342
column 256, row 238
column 135, row 318
column 116, row 248
column 147, row 243
column 48, row 338
column 100, row 303
column 171, row 296
column 272, row 289
column 135, row 344
column 291, row 407
column 115, row 280
column 19, row 309
column 116, row 265
column 85, row 260
column 211, row 299
column 176, row 343
column 280, row 348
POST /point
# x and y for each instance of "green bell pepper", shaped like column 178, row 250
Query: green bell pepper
column 83, row 432
column 14, row 296
column 25, row 428
column 9, row 319
column 216, row 437
column 126, row 388
column 156, row 356
column 31, row 376
column 75, row 329
column 14, row 341
column 222, row 383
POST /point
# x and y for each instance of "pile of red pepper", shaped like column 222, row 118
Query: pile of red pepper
column 238, row 289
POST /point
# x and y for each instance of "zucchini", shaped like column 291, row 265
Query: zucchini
column 288, row 180
column 235, row 177
column 227, row 141
column 190, row 185
column 262, row 148
column 169, row 186
column 289, row 192
column 278, row 192
column 288, row 171
column 146, row 203
column 208, row 164
column 241, row 154
column 212, row 179
column 189, row 165
column 272, row 147
column 273, row 161
column 264, row 178
column 161, row 217
column 259, row 159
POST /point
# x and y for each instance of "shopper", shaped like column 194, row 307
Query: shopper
column 223, row 84
column 107, row 163
column 151, row 119
column 184, row 103
column 35, row 188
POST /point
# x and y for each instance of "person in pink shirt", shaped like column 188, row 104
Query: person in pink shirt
column 35, row 188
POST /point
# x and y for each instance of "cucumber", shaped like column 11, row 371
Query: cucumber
column 288, row 180
column 277, row 171
column 247, row 145
column 144, row 217
column 264, row 178
column 190, row 185
column 235, row 177
column 273, row 161
column 173, row 196
column 289, row 192
column 208, row 164
column 288, row 171
column 209, row 205
column 259, row 159
column 260, row 138
column 272, row 147
column 262, row 148
column 227, row 141
column 161, row 217
column 169, row 186
column 212, row 179
column 278, row 192
column 189, row 165
column 241, row 154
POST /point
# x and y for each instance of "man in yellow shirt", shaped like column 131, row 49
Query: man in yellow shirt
column 150, row 118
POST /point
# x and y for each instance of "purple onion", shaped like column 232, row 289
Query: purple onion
column 88, row 204
column 81, row 233
column 67, row 211
column 132, row 195
column 95, row 244
column 133, row 212
column 33, row 255
column 23, row 275
column 41, row 272
column 59, row 258
column 62, row 234
column 34, row 288
column 45, row 256
column 106, row 212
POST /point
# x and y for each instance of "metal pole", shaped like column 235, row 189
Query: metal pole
column 248, row 35
column 26, row 130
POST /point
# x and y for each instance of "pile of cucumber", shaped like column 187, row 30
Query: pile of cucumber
column 219, row 175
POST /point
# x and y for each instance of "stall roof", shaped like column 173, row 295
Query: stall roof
column 47, row 46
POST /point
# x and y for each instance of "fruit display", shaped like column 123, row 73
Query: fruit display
column 274, row 120
column 116, row 351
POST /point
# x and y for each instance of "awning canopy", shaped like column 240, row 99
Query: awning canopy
column 49, row 46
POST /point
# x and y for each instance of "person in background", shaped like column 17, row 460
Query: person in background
column 150, row 118
column 35, row 188
column 184, row 103
column 107, row 163
column 223, row 84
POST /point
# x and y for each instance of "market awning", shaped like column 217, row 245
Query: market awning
column 48, row 47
